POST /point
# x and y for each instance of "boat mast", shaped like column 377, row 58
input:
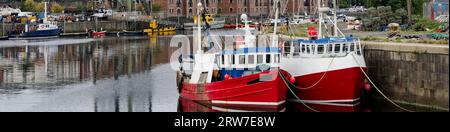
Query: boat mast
column 320, row 19
column 45, row 12
column 199, row 29
column 335, row 19
column 274, row 43
column 293, row 8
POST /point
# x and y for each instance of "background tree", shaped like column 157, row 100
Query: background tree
column 343, row 4
column 56, row 8
column 40, row 7
column 28, row 6
column 79, row 8
column 156, row 8
column 417, row 5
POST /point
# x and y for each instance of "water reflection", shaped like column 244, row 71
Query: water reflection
column 64, row 64
column 111, row 74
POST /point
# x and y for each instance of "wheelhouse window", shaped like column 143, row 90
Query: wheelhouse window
column 287, row 48
column 251, row 59
column 241, row 59
column 320, row 49
column 260, row 59
column 303, row 48
column 337, row 48
column 308, row 50
column 330, row 48
column 268, row 58
column 297, row 49
column 277, row 58
column 233, row 59
column 223, row 59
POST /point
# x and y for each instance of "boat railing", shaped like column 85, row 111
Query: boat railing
column 311, row 50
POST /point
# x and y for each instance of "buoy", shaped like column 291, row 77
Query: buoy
column 227, row 77
column 367, row 86
column 292, row 79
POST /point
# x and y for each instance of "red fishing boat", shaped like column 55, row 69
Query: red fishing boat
column 328, row 71
column 186, row 105
column 246, row 76
column 96, row 34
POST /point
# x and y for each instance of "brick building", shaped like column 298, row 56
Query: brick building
column 188, row 8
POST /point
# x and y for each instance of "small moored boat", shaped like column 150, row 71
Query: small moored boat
column 155, row 28
column 45, row 29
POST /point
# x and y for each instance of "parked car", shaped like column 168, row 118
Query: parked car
column 80, row 18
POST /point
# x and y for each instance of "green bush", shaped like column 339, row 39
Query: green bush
column 424, row 24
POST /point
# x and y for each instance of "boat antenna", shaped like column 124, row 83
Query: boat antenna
column 320, row 19
column 335, row 19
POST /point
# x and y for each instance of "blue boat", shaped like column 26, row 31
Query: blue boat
column 45, row 29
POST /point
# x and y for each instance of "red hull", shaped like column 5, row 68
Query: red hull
column 338, row 91
column 298, row 107
column 245, row 91
column 186, row 105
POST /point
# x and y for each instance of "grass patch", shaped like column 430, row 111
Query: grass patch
column 402, row 40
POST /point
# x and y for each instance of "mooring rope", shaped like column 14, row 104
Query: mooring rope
column 295, row 95
column 373, row 84
column 320, row 80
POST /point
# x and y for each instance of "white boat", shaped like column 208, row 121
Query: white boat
column 7, row 11
column 328, row 70
column 299, row 19
column 102, row 13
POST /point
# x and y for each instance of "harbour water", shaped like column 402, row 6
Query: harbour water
column 126, row 74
